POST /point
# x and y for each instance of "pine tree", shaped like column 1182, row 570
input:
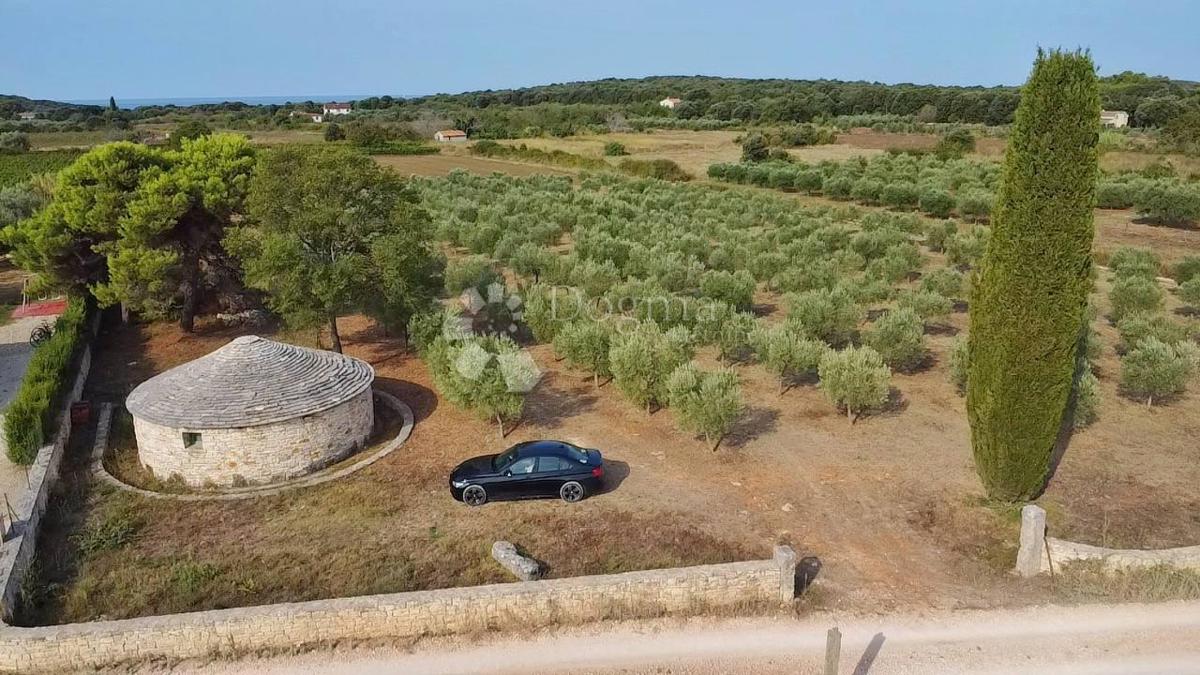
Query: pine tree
column 112, row 103
column 1028, row 305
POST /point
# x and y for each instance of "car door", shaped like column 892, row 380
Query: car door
column 551, row 470
column 519, row 479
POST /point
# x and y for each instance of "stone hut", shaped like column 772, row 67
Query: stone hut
column 254, row 411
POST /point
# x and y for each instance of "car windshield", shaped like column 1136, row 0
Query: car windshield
column 576, row 454
column 504, row 458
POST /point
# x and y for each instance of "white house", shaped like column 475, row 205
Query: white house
column 450, row 136
column 337, row 108
column 1114, row 118
column 317, row 118
column 28, row 115
column 670, row 102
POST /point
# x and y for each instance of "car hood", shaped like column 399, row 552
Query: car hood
column 474, row 467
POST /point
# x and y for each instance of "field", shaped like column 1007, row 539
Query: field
column 889, row 504
column 441, row 164
column 18, row 168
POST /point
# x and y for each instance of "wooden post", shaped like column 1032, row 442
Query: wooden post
column 833, row 651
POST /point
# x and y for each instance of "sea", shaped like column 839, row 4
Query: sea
column 130, row 103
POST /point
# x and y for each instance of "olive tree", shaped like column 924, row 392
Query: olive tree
column 855, row 378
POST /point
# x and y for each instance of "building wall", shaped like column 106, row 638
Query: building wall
column 258, row 454
column 475, row 609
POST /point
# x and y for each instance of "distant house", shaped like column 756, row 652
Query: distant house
column 337, row 108
column 27, row 116
column 1114, row 118
column 317, row 118
column 450, row 136
column 670, row 102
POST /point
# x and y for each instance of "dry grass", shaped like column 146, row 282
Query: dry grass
column 1089, row 581
column 441, row 164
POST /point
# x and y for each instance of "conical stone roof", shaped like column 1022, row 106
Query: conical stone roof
column 248, row 382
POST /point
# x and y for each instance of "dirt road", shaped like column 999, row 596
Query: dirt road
column 1095, row 639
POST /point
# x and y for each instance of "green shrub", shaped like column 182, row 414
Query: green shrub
column 1189, row 292
column 809, row 181
column 1113, row 195
column 867, row 191
column 1137, row 326
column 830, row 315
column 1186, row 269
column 706, row 403
column 899, row 337
column 662, row 169
column 838, row 187
column 900, row 196
column 733, row 288
column 939, row 233
column 1129, row 261
column 474, row 272
column 975, row 205
column 1171, row 204
column 1087, row 400
column 614, row 149
column 784, row 351
column 1154, row 369
column 31, row 418
column 937, row 203
column 943, row 281
column 585, row 344
column 754, row 148
column 958, row 365
column 855, row 378
column 928, row 305
column 1134, row 294
column 965, row 248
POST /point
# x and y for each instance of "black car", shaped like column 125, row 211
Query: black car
column 529, row 469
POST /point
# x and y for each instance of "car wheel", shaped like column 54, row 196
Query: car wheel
column 474, row 495
column 571, row 492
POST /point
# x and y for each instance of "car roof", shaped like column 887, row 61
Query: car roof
column 530, row 448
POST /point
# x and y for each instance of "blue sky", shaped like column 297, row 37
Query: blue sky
column 177, row 48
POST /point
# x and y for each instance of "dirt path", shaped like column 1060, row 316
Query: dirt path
column 1090, row 639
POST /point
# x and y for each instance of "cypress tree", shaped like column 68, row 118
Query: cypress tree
column 1028, row 303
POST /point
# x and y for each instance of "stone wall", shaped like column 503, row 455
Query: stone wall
column 1039, row 554
column 260, row 454
column 401, row 615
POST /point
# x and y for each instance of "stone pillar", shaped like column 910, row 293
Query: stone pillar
column 1033, row 541
column 785, row 559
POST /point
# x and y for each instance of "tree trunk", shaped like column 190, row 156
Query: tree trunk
column 718, row 443
column 596, row 380
column 850, row 415
column 333, row 333
column 500, row 421
column 187, row 311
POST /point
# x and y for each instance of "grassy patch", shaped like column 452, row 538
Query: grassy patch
column 1088, row 581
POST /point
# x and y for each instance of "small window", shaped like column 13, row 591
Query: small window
column 522, row 466
column 552, row 464
column 191, row 439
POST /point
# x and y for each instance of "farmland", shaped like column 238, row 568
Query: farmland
column 791, row 468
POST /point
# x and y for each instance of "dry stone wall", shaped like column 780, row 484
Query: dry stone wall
column 259, row 454
column 401, row 615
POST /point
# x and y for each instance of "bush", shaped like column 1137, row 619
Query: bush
column 1134, row 294
column 959, row 365
column 614, row 149
column 965, row 248
column 928, row 305
column 867, row 191
column 1171, row 204
column 939, row 233
column 1113, row 195
column 830, row 315
column 754, row 148
column 1189, row 292
column 1138, row 326
column 707, row 403
column 900, row 196
column 1155, row 369
column 899, row 337
column 662, row 169
column 333, row 132
column 838, row 187
column 786, row 353
column 585, row 344
column 14, row 142
column 1186, row 269
column 808, row 180
column 642, row 361
column 1129, row 261
column 31, row 418
column 733, row 288
column 943, row 281
column 855, row 378
column 975, row 205
column 935, row 202
column 1087, row 400
column 474, row 272
column 955, row 144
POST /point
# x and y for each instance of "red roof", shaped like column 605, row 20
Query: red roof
column 337, row 106
column 452, row 132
